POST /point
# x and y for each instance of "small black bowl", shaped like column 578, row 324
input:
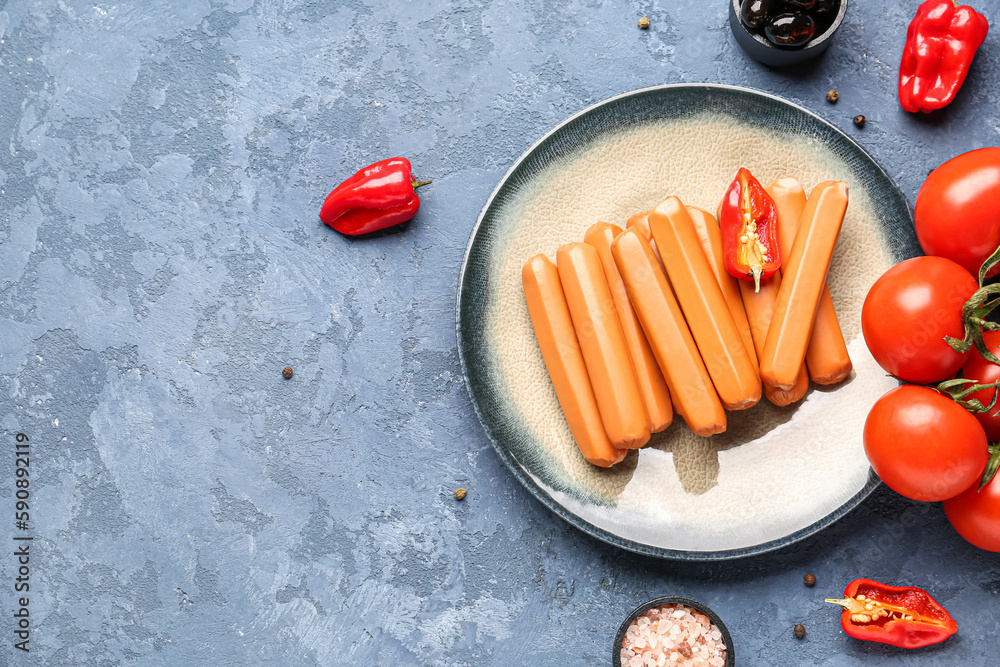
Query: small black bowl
column 759, row 48
column 616, row 656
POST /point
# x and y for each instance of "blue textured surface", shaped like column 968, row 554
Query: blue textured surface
column 161, row 261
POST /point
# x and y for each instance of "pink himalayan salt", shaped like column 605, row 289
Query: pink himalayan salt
column 673, row 636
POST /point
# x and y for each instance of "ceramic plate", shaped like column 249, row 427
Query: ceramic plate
column 777, row 474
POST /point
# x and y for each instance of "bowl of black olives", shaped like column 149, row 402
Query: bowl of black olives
column 785, row 32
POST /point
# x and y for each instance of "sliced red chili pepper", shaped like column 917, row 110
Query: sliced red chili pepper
column 378, row 196
column 904, row 616
column 940, row 44
column 749, row 223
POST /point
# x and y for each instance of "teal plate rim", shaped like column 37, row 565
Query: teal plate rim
column 554, row 144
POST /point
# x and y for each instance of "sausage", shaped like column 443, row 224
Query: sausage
column 826, row 357
column 652, row 386
column 554, row 330
column 705, row 309
column 691, row 390
column 760, row 305
column 707, row 228
column 759, row 309
column 789, row 198
column 603, row 345
column 640, row 222
column 802, row 284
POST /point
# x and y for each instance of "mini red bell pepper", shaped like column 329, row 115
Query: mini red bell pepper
column 380, row 195
column 904, row 616
column 940, row 44
column 749, row 222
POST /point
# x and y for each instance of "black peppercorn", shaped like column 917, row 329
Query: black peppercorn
column 799, row 630
column 287, row 373
column 810, row 579
column 859, row 120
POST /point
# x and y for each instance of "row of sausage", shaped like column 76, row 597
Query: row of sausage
column 638, row 323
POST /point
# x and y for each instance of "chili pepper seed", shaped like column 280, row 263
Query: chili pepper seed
column 799, row 630
column 859, row 120
column 810, row 579
column 287, row 373
column 460, row 494
column 832, row 97
column 644, row 23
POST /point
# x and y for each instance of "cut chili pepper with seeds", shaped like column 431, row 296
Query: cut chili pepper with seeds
column 749, row 223
column 380, row 195
column 903, row 616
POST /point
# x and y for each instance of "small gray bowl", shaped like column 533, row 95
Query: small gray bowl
column 616, row 658
column 759, row 48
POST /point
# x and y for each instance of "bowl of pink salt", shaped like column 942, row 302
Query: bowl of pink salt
column 673, row 632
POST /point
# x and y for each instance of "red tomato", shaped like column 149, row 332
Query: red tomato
column 976, row 515
column 923, row 445
column 984, row 372
column 956, row 214
column 908, row 312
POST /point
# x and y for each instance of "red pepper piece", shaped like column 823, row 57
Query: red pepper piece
column 749, row 223
column 380, row 195
column 904, row 616
column 940, row 44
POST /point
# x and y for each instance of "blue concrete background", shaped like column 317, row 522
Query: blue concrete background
column 161, row 169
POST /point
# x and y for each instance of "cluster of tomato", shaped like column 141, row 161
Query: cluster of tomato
column 925, row 321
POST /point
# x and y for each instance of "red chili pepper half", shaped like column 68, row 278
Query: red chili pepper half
column 903, row 616
column 749, row 222
column 940, row 44
column 380, row 195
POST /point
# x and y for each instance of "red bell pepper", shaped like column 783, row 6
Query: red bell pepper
column 904, row 616
column 940, row 44
column 380, row 195
column 749, row 222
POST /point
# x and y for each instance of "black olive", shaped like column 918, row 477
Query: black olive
column 797, row 5
column 756, row 12
column 790, row 29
